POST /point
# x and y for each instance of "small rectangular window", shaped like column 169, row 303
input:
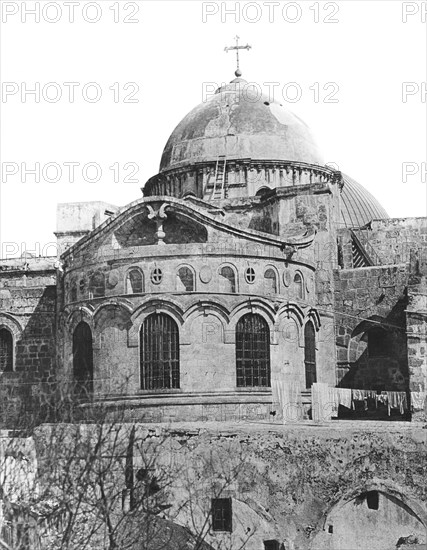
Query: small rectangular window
column 372, row 499
column 221, row 514
column 271, row 545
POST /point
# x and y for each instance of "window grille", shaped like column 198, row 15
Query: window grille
column 159, row 353
column 221, row 514
column 252, row 351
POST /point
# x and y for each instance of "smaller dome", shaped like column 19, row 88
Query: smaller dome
column 358, row 206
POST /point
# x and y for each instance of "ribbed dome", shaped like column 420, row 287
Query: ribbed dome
column 358, row 206
column 239, row 123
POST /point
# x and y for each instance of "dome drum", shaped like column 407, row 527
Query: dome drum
column 243, row 178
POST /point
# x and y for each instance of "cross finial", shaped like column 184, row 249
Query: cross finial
column 238, row 72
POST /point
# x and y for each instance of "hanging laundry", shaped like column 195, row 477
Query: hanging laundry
column 334, row 399
column 344, row 397
column 382, row 398
column 397, row 400
column 360, row 395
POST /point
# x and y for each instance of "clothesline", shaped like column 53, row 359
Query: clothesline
column 392, row 399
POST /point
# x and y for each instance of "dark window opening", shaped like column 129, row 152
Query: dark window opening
column 73, row 293
column 270, row 281
column 83, row 359
column 159, row 353
column 97, row 285
column 377, row 342
column 272, row 545
column 227, row 280
column 186, row 279
column 135, row 282
column 252, row 351
column 299, row 289
column 6, row 350
column 221, row 514
column 310, row 355
column 372, row 500
column 330, row 529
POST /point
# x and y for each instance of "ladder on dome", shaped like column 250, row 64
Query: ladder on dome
column 218, row 191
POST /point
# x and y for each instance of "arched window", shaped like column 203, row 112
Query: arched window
column 97, row 285
column 83, row 359
column 252, row 351
column 270, row 281
column 82, row 288
column 6, row 350
column 185, row 279
column 73, row 292
column 377, row 342
column 227, row 280
column 299, row 286
column 310, row 354
column 134, row 281
column 159, row 352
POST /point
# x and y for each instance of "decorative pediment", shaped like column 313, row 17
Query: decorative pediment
column 175, row 221
column 159, row 224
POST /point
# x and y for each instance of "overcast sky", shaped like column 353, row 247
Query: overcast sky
column 357, row 53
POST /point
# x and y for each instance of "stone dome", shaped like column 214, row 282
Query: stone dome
column 358, row 206
column 240, row 123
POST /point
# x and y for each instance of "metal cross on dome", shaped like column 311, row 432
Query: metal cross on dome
column 238, row 72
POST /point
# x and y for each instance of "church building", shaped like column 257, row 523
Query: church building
column 250, row 285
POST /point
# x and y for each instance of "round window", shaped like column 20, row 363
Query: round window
column 156, row 276
column 250, row 275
